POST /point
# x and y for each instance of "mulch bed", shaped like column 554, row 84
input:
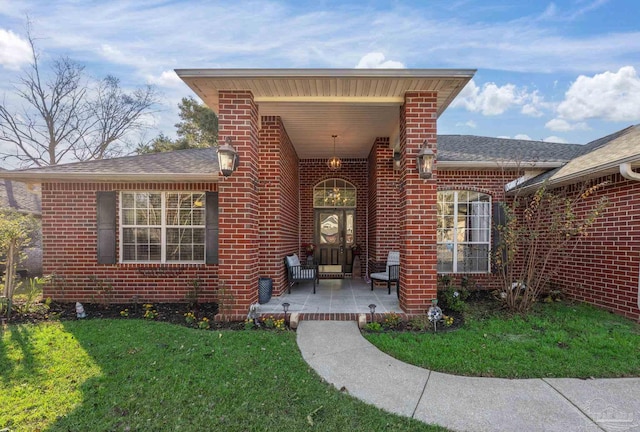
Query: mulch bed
column 167, row 312
column 412, row 325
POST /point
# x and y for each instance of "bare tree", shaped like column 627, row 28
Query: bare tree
column 66, row 116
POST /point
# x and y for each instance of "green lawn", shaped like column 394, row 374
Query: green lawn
column 121, row 375
column 556, row 340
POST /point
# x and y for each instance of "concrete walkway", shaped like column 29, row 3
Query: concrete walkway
column 340, row 355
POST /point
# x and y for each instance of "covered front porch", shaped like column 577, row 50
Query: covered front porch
column 334, row 296
column 328, row 158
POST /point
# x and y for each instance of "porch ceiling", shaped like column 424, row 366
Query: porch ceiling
column 358, row 105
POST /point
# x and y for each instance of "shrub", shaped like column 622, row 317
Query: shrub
column 453, row 299
column 391, row 320
column 374, row 327
column 271, row 322
column 420, row 323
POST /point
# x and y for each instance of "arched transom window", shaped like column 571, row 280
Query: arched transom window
column 334, row 193
column 464, row 232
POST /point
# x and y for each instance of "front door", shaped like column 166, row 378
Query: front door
column 334, row 235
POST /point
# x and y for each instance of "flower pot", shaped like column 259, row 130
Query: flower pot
column 265, row 289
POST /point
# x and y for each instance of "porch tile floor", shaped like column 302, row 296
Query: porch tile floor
column 334, row 296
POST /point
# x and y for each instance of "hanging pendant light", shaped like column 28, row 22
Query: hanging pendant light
column 334, row 163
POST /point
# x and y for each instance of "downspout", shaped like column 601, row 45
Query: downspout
column 630, row 174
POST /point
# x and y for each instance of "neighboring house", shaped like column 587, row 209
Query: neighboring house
column 151, row 224
column 25, row 199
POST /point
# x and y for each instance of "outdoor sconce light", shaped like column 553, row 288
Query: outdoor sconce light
column 425, row 162
column 285, row 306
column 372, row 309
column 397, row 159
column 228, row 158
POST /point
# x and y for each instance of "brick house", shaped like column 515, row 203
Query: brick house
column 151, row 224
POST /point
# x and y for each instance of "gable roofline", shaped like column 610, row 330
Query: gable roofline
column 597, row 159
column 189, row 165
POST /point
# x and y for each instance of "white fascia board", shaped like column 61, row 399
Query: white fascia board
column 34, row 177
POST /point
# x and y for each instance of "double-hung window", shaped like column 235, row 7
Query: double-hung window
column 464, row 232
column 162, row 227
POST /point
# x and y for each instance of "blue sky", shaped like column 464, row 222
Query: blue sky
column 564, row 70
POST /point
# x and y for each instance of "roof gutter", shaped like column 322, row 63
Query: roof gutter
column 111, row 177
column 605, row 168
column 627, row 172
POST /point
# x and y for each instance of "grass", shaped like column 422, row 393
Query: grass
column 125, row 375
column 555, row 340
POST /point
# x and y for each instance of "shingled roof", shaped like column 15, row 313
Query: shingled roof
column 565, row 160
column 601, row 156
column 17, row 196
column 485, row 149
column 179, row 165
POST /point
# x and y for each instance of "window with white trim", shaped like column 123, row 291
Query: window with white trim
column 162, row 227
column 464, row 232
column 334, row 193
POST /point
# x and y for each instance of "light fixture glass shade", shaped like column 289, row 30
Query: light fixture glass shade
column 425, row 162
column 397, row 161
column 228, row 158
column 334, row 163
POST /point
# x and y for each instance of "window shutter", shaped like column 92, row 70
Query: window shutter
column 498, row 218
column 106, row 215
column 211, row 229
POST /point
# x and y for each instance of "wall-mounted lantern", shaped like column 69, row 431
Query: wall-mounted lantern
column 425, row 162
column 228, row 158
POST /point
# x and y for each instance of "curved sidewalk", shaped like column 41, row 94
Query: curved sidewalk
column 340, row 355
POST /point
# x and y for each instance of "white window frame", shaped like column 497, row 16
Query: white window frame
column 331, row 185
column 455, row 243
column 163, row 228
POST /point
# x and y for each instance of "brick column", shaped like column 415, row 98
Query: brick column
column 417, row 204
column 383, row 202
column 278, row 199
column 238, row 197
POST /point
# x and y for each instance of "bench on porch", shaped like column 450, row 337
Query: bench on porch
column 297, row 272
column 392, row 273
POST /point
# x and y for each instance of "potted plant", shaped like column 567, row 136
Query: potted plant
column 309, row 248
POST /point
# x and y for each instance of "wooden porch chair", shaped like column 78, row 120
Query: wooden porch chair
column 392, row 275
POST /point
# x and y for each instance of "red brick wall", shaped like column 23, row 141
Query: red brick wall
column 69, row 250
column 383, row 204
column 603, row 269
column 417, row 209
column 313, row 171
column 279, row 201
column 239, row 205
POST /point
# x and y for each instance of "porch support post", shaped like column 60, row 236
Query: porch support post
column 383, row 203
column 417, row 204
column 238, row 200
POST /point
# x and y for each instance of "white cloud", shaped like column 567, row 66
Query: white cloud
column 533, row 108
column 167, row 78
column 522, row 137
column 14, row 51
column 470, row 124
column 612, row 96
column 491, row 99
column 555, row 139
column 561, row 125
column 376, row 60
